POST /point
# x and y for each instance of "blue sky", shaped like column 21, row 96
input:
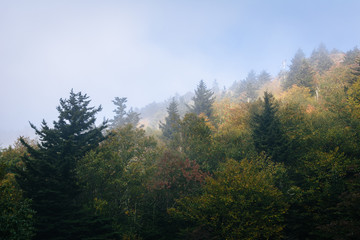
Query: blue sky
column 150, row 50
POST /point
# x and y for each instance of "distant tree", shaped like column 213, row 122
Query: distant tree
column 306, row 76
column 48, row 176
column 251, row 86
column 120, row 112
column 215, row 87
column 239, row 88
column 351, row 56
column 267, row 132
column 264, row 77
column 132, row 118
column 122, row 117
column 203, row 100
column 356, row 68
column 170, row 129
column 300, row 72
column 320, row 59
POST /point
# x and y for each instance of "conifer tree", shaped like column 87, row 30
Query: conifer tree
column 300, row 72
column 267, row 132
column 320, row 59
column 170, row 129
column 251, row 86
column 132, row 118
column 48, row 176
column 120, row 112
column 122, row 117
column 351, row 56
column 263, row 77
column 203, row 100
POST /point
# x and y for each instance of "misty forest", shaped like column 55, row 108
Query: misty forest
column 269, row 157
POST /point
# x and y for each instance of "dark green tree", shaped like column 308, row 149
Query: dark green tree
column 197, row 142
column 267, row 132
column 203, row 100
column 48, row 176
column 300, row 72
column 170, row 129
column 16, row 218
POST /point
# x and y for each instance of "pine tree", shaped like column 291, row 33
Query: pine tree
column 122, row 117
column 132, row 118
column 351, row 56
column 300, row 72
column 320, row 59
column 48, row 176
column 263, row 78
column 120, row 112
column 267, row 132
column 203, row 100
column 170, row 129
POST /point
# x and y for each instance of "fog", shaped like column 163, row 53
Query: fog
column 149, row 50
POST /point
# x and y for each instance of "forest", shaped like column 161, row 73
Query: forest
column 271, row 157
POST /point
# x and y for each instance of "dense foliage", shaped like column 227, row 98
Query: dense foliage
column 271, row 158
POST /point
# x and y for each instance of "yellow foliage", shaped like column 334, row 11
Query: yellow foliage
column 241, row 201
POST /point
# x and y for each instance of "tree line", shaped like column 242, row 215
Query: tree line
column 252, row 163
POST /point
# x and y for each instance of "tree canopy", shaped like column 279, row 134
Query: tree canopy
column 203, row 100
column 48, row 176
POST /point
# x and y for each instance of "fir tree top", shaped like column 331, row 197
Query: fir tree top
column 203, row 100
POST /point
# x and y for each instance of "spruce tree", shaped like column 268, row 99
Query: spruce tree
column 251, row 86
column 203, row 100
column 122, row 117
column 48, row 175
column 120, row 112
column 300, row 72
column 267, row 132
column 264, row 77
column 320, row 59
column 132, row 117
column 351, row 56
column 170, row 129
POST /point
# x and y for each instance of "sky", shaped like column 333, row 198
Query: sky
column 150, row 50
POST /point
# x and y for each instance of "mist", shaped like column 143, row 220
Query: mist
column 149, row 52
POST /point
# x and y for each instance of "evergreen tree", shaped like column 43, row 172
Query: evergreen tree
column 120, row 112
column 267, row 132
column 197, row 143
column 122, row 117
column 320, row 59
column 351, row 56
column 263, row 78
column 203, row 100
column 132, row 118
column 251, row 86
column 48, row 176
column 171, row 127
column 300, row 72
column 356, row 68
column 215, row 87
column 239, row 88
